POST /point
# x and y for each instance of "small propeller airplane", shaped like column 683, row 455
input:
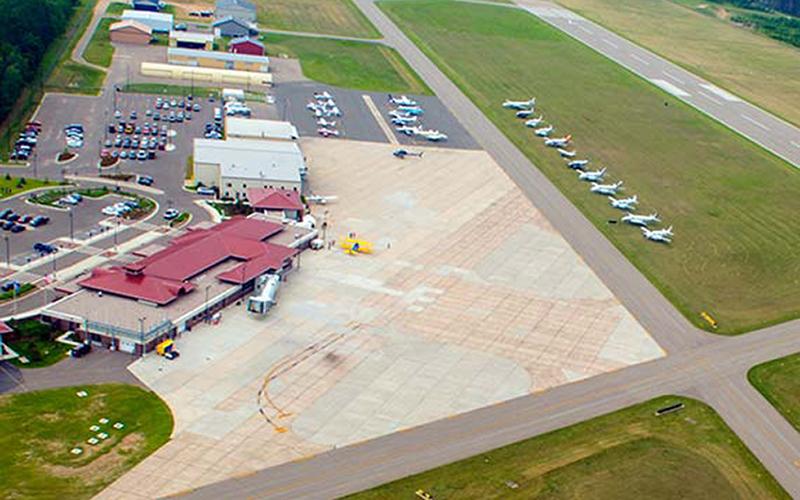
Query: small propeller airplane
column 534, row 122
column 558, row 142
column 624, row 203
column 525, row 113
column 566, row 154
column 577, row 164
column 402, row 100
column 659, row 235
column 640, row 220
column 544, row 131
column 609, row 189
column 520, row 105
column 592, row 175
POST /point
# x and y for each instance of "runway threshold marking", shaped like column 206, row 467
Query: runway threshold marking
column 610, row 43
column 387, row 131
column 646, row 63
column 715, row 101
column 672, row 77
column 755, row 122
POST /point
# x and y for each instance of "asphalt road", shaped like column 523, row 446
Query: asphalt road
column 759, row 126
column 701, row 365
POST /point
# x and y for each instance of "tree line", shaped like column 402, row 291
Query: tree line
column 28, row 29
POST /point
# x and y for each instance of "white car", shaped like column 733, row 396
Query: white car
column 171, row 213
column 110, row 211
column 74, row 143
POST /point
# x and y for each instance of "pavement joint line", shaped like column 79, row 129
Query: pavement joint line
column 379, row 118
column 673, row 77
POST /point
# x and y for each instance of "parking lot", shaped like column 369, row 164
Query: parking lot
column 358, row 122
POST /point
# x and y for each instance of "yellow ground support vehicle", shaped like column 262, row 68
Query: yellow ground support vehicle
column 167, row 349
column 354, row 246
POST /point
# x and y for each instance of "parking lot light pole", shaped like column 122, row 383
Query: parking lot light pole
column 8, row 252
column 71, row 235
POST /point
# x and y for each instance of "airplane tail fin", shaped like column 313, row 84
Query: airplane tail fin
column 612, row 199
column 603, row 170
column 635, row 198
column 568, row 137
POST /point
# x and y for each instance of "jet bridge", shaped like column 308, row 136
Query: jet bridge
column 265, row 294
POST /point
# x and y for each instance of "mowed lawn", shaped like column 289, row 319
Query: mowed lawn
column 733, row 205
column 330, row 17
column 628, row 454
column 99, row 50
column 38, row 430
column 757, row 68
column 355, row 65
column 779, row 382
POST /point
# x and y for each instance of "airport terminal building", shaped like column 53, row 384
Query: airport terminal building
column 133, row 306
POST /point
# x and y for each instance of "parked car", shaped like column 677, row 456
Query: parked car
column 7, row 225
column 44, row 248
column 207, row 191
column 4, row 213
column 39, row 220
column 9, row 285
column 17, row 228
column 81, row 350
column 25, row 219
column 12, row 217
column 145, row 180
column 171, row 213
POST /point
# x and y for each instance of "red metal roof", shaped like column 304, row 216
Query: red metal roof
column 163, row 276
column 272, row 259
column 4, row 328
column 142, row 287
column 274, row 199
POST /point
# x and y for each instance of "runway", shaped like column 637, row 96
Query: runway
column 701, row 365
column 761, row 127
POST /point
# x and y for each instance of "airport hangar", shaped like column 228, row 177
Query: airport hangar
column 134, row 306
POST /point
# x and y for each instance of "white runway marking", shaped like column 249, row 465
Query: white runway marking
column 646, row 63
column 387, row 130
column 610, row 43
column 715, row 101
column 672, row 89
column 672, row 77
column 754, row 122
column 718, row 91
column 795, row 144
column 584, row 29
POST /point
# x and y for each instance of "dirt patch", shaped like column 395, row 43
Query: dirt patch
column 103, row 465
column 50, row 417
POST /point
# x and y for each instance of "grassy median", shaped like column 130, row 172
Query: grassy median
column 733, row 205
column 39, row 429
column 330, row 17
column 99, row 50
column 779, row 382
column 759, row 69
column 355, row 65
column 628, row 454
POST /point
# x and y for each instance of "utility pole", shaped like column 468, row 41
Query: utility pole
column 71, row 236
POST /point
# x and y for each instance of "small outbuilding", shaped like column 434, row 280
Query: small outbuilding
column 191, row 40
column 238, row 9
column 132, row 32
column 147, row 5
column 158, row 22
column 282, row 202
column 234, row 27
column 246, row 45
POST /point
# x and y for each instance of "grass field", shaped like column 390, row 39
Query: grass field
column 733, row 204
column 9, row 186
column 628, row 454
column 354, row 65
column 99, row 51
column 166, row 89
column 34, row 340
column 38, row 430
column 750, row 65
column 779, row 382
column 330, row 17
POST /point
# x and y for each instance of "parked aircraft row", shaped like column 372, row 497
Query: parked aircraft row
column 325, row 109
column 526, row 110
column 406, row 117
